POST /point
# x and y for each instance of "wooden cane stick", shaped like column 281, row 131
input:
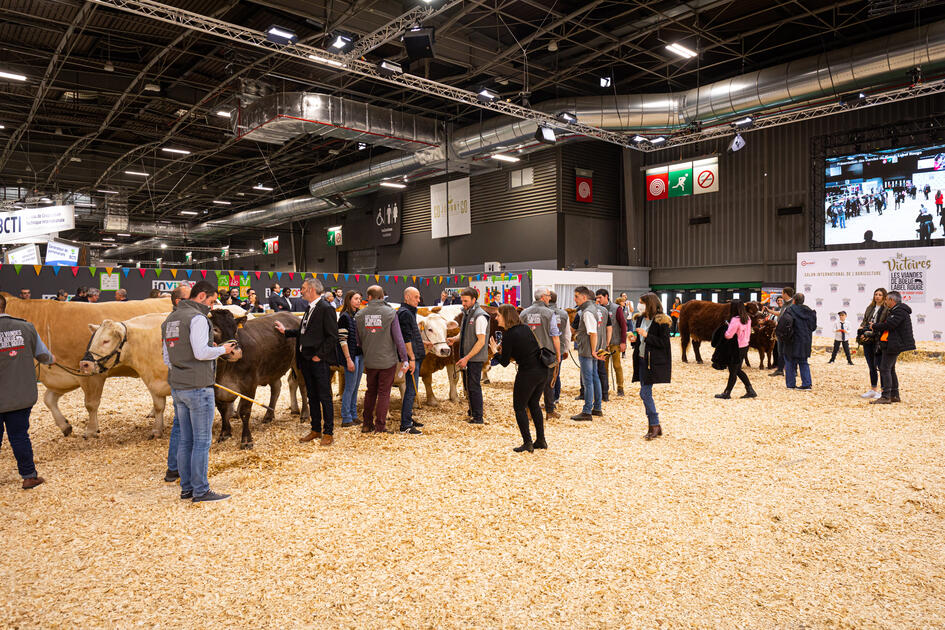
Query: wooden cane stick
column 227, row 389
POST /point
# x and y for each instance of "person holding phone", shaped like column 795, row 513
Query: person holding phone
column 191, row 357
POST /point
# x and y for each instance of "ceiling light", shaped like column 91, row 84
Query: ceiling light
column 505, row 158
column 72, row 159
column 2, row 127
column 606, row 82
column 681, row 50
column 261, row 187
column 127, row 235
column 12, row 76
column 393, row 185
column 638, row 138
column 108, row 238
column 109, row 66
column 280, row 35
column 220, row 202
column 486, row 96
column 341, row 42
column 138, row 173
column 566, row 117
column 553, row 46
column 107, row 192
column 223, row 114
column 152, row 87
column 362, row 146
column 178, row 151
column 330, row 62
column 658, row 140
column 545, row 135
column 189, row 213
column 163, row 245
column 744, row 122
column 388, row 68
column 852, row 100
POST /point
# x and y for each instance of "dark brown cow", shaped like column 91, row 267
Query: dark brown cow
column 762, row 340
column 267, row 355
column 698, row 319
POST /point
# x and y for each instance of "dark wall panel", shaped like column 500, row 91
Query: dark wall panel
column 604, row 160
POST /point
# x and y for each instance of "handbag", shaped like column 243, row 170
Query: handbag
column 548, row 357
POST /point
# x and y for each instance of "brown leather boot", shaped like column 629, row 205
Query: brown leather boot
column 654, row 432
column 32, row 482
column 894, row 398
column 327, row 440
column 312, row 435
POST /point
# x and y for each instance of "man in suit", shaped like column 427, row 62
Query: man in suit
column 276, row 302
column 298, row 305
column 317, row 349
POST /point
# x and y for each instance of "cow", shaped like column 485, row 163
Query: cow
column 266, row 356
column 434, row 330
column 63, row 326
column 698, row 319
column 762, row 340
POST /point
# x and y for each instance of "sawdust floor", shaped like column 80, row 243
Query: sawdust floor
column 794, row 510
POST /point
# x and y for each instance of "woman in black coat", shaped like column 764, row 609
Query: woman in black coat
column 895, row 337
column 652, row 356
column 875, row 313
column 519, row 343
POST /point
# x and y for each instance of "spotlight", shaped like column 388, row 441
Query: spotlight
column 566, row 117
column 362, row 146
column 744, row 123
column 389, row 68
column 545, row 135
column 915, row 75
column 695, row 126
column 486, row 96
column 280, row 35
column 737, row 143
column 606, row 82
column 418, row 42
column 853, row 99
column 341, row 42
column 658, row 140
column 638, row 138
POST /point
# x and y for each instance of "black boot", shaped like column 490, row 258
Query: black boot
column 724, row 395
column 524, row 447
column 750, row 393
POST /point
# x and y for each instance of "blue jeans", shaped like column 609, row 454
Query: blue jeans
column 646, row 394
column 410, row 396
column 349, row 399
column 591, row 379
column 194, row 410
column 17, row 425
column 174, row 442
column 790, row 371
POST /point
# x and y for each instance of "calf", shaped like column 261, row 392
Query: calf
column 698, row 319
column 762, row 340
column 434, row 330
column 266, row 356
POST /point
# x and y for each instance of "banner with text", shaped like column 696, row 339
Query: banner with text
column 845, row 281
column 23, row 226
column 459, row 208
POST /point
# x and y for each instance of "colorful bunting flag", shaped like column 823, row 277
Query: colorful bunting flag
column 270, row 274
column 17, row 268
column 55, row 270
column 37, row 268
column 278, row 275
column 291, row 275
column 203, row 273
column 258, row 273
column 386, row 278
column 108, row 270
column 246, row 274
column 357, row 277
column 92, row 270
column 189, row 271
column 377, row 278
column 346, row 277
column 143, row 271
column 157, row 272
column 126, row 272
column 336, row 276
column 174, row 273
column 75, row 272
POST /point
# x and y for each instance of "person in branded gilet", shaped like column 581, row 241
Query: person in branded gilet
column 586, row 343
column 191, row 357
column 19, row 345
column 473, row 351
column 383, row 346
column 179, row 293
column 407, row 318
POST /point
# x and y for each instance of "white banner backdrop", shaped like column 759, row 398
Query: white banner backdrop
column 19, row 226
column 459, row 208
column 845, row 281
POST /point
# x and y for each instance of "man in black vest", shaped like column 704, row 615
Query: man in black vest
column 316, row 351
column 276, row 302
column 191, row 357
column 473, row 351
column 407, row 315
column 19, row 345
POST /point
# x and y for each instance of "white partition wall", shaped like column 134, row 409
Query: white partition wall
column 564, row 282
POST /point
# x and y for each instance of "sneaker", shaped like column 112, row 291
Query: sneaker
column 210, row 495
column 411, row 431
column 582, row 417
column 868, row 393
column 419, row 425
column 186, row 495
column 171, row 475
column 877, row 395
column 805, row 387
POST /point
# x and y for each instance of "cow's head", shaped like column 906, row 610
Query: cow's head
column 104, row 347
column 226, row 327
column 434, row 329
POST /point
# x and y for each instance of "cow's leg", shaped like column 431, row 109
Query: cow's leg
column 92, row 388
column 761, row 359
column 695, row 350
column 293, row 396
column 485, row 372
column 747, row 362
column 452, row 374
column 160, row 402
column 225, row 429
column 51, row 400
column 245, row 410
column 275, row 388
column 428, row 385
column 684, row 340
column 306, row 414
column 341, row 382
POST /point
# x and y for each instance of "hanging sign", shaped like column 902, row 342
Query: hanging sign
column 34, row 222
column 706, row 176
column 657, row 183
column 271, row 245
column 456, row 220
column 334, row 236
column 62, row 254
column 584, row 188
column 683, row 179
column 25, row 255
column 680, row 179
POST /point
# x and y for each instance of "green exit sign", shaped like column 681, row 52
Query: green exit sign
column 334, row 236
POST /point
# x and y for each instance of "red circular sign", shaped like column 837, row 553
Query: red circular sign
column 584, row 190
column 705, row 179
column 657, row 187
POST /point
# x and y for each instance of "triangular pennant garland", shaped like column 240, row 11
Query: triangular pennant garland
column 203, row 273
column 336, row 276
column 278, row 275
column 346, row 277
column 75, row 272
column 189, row 271
column 258, row 273
column 92, row 270
column 126, row 272
column 37, row 269
column 173, row 273
column 157, row 272
column 357, row 277
column 108, row 270
column 55, row 270
column 17, row 268
column 142, row 271
column 291, row 275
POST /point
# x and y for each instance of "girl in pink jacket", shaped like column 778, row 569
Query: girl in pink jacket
column 739, row 327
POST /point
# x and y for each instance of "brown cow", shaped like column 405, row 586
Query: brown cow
column 762, row 340
column 698, row 319
column 63, row 326
column 267, row 355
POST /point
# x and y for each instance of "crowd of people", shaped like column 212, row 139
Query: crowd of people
column 369, row 338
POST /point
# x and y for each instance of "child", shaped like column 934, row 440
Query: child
column 842, row 337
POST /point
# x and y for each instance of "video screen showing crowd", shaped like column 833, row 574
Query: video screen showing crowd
column 894, row 195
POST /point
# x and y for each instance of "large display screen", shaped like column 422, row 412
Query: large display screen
column 893, row 195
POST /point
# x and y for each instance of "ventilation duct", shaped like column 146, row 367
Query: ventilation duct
column 280, row 117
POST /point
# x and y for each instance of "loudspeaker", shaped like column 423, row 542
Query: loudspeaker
column 419, row 43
